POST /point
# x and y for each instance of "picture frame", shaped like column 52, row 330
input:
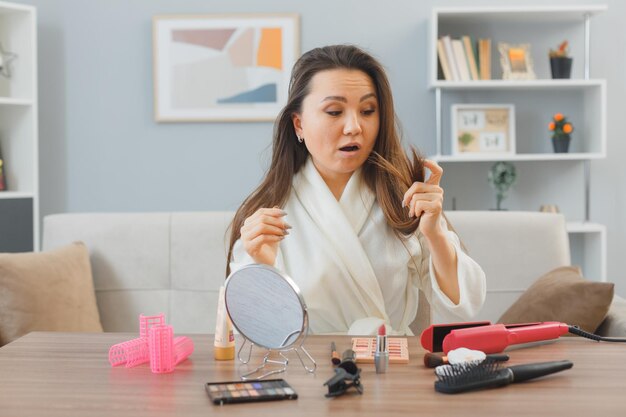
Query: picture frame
column 483, row 129
column 223, row 67
column 516, row 61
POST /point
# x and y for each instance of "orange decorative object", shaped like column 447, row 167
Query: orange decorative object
column 270, row 48
column 558, row 117
column 567, row 128
column 551, row 126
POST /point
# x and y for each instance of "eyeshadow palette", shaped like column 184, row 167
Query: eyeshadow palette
column 365, row 347
column 252, row 391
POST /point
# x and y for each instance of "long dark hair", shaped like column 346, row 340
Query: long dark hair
column 388, row 171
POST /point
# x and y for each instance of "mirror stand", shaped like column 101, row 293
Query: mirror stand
column 266, row 359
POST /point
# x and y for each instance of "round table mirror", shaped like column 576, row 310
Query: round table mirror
column 266, row 307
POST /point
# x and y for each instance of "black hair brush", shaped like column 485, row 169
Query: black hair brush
column 452, row 379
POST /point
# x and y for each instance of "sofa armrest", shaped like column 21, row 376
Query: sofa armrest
column 614, row 324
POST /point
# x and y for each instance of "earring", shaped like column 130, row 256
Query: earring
column 300, row 139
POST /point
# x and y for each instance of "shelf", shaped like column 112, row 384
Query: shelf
column 581, row 99
column 7, row 195
column 19, row 140
column 11, row 8
column 519, row 157
column 15, row 101
column 585, row 227
column 549, row 14
column 545, row 84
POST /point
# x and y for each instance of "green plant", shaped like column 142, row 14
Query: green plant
column 561, row 52
column 501, row 177
column 466, row 138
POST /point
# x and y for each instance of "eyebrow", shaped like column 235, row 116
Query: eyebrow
column 344, row 100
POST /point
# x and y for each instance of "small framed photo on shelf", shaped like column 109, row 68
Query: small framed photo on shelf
column 483, row 129
column 231, row 67
column 516, row 62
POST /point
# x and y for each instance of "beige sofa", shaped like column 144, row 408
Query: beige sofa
column 175, row 262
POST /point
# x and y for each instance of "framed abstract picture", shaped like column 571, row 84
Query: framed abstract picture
column 223, row 67
column 483, row 129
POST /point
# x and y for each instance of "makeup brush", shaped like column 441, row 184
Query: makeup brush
column 432, row 360
column 452, row 379
column 334, row 356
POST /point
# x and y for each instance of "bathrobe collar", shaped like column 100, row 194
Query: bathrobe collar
column 341, row 221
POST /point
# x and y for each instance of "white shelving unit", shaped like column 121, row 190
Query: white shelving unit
column 19, row 205
column 581, row 98
column 588, row 246
column 578, row 156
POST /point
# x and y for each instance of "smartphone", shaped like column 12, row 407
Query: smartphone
column 250, row 391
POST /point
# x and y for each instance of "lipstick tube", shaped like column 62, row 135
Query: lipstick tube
column 381, row 356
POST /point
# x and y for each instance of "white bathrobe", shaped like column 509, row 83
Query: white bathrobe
column 353, row 271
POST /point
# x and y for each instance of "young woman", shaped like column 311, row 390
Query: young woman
column 346, row 214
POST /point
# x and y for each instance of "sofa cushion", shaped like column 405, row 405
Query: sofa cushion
column 614, row 325
column 47, row 291
column 511, row 265
column 562, row 295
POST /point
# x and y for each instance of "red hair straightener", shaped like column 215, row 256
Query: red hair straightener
column 494, row 338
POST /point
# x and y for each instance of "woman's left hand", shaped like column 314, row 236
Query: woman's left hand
column 426, row 199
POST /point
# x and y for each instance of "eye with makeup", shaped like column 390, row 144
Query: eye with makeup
column 369, row 107
column 369, row 111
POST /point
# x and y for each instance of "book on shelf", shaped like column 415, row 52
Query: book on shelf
column 443, row 60
column 484, row 58
column 461, row 60
column 447, row 45
column 471, row 58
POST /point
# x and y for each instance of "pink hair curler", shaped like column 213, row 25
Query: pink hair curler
column 183, row 348
column 145, row 322
column 156, row 344
column 136, row 351
column 161, row 342
column 131, row 353
column 165, row 351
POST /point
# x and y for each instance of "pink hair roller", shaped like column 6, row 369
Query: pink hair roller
column 145, row 322
column 131, row 353
column 161, row 342
column 183, row 348
column 136, row 351
column 165, row 351
column 156, row 344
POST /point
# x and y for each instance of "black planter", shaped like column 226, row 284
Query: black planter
column 561, row 67
column 561, row 143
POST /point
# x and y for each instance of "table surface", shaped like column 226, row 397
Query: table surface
column 66, row 374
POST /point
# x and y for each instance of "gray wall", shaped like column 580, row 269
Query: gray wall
column 102, row 151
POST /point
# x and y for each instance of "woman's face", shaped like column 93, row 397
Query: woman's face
column 339, row 121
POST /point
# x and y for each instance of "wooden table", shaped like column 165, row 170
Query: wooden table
column 68, row 374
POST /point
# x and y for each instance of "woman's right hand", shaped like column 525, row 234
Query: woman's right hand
column 262, row 232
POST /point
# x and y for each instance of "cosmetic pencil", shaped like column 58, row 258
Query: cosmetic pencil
column 334, row 356
column 381, row 356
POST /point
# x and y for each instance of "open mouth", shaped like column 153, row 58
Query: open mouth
column 350, row 148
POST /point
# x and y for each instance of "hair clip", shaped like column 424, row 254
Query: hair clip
column 342, row 381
